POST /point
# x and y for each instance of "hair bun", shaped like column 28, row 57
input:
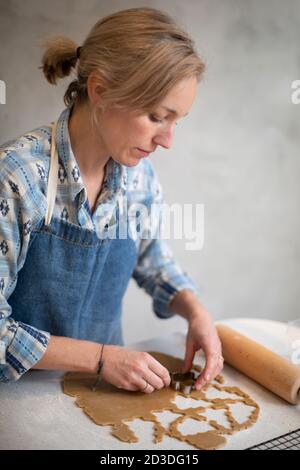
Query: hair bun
column 78, row 52
column 59, row 58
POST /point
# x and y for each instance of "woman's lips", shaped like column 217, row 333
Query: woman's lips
column 144, row 153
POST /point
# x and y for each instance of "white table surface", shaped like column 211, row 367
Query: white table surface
column 35, row 413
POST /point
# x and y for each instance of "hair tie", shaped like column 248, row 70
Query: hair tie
column 78, row 52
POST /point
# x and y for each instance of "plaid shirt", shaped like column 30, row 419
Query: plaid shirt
column 24, row 167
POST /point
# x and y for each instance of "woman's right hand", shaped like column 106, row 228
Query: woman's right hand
column 133, row 370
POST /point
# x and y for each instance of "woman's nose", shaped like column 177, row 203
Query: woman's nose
column 165, row 139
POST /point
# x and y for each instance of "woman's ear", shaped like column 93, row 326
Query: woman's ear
column 95, row 89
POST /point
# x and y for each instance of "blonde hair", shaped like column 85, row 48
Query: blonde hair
column 139, row 54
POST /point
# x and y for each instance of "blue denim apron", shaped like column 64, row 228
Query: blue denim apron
column 72, row 282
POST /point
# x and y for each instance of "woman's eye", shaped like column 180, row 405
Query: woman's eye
column 155, row 119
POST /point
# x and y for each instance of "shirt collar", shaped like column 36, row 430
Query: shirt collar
column 115, row 175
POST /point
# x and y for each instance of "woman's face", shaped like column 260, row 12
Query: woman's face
column 124, row 134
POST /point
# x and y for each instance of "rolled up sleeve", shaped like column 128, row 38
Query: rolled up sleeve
column 21, row 345
column 161, row 277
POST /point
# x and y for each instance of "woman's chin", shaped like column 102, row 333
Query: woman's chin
column 130, row 164
column 130, row 161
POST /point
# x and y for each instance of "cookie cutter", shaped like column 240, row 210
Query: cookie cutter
column 183, row 382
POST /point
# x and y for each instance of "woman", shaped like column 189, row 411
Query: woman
column 66, row 194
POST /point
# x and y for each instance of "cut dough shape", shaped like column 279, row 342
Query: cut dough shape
column 110, row 406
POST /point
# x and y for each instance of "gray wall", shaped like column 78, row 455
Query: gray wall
column 237, row 152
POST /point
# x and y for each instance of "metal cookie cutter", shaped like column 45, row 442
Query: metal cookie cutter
column 183, row 382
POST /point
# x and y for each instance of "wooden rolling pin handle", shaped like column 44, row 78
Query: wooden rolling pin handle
column 260, row 364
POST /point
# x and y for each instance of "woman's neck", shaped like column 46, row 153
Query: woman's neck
column 88, row 149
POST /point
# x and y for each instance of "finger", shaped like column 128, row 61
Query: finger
column 129, row 386
column 219, row 370
column 160, row 371
column 138, row 383
column 146, row 387
column 218, row 367
column 154, row 380
column 207, row 374
column 189, row 357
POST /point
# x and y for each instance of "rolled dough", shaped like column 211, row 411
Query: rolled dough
column 110, row 406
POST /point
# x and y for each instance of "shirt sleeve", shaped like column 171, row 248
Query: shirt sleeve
column 157, row 271
column 21, row 345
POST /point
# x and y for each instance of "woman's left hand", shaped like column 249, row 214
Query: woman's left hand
column 202, row 334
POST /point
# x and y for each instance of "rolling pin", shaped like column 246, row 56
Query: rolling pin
column 260, row 364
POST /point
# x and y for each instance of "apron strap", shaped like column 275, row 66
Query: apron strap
column 52, row 179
